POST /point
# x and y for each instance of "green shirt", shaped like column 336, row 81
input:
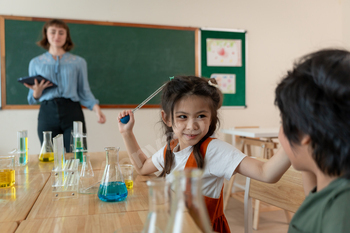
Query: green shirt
column 326, row 211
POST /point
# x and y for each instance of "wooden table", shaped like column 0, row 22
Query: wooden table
column 87, row 204
column 30, row 207
column 8, row 227
column 102, row 223
column 261, row 137
column 18, row 200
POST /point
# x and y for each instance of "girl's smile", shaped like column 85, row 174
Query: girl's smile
column 192, row 118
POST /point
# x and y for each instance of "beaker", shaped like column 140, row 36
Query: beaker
column 128, row 175
column 22, row 147
column 46, row 152
column 7, row 171
column 188, row 195
column 112, row 187
column 159, row 206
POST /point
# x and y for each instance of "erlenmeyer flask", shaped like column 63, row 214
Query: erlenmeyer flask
column 46, row 152
column 87, row 181
column 159, row 206
column 188, row 195
column 112, row 187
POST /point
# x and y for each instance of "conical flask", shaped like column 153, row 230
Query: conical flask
column 159, row 206
column 87, row 181
column 112, row 186
column 188, row 211
column 46, row 152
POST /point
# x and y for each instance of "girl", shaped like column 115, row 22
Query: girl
column 60, row 106
column 315, row 133
column 190, row 116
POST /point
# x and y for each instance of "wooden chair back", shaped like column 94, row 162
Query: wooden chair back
column 287, row 193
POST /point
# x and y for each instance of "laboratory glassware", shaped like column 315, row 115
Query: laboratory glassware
column 46, row 152
column 188, row 196
column 159, row 206
column 7, row 171
column 87, row 182
column 128, row 175
column 22, row 147
column 112, row 187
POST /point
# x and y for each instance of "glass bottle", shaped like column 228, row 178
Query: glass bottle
column 159, row 206
column 46, row 152
column 188, row 211
column 112, row 186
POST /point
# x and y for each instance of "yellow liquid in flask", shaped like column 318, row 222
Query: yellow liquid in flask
column 46, row 157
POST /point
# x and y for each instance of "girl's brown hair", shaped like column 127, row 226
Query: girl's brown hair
column 183, row 86
column 59, row 23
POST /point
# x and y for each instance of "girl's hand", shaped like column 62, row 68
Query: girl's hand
column 38, row 88
column 101, row 118
column 126, row 128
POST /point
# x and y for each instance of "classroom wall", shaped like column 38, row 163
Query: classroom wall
column 278, row 32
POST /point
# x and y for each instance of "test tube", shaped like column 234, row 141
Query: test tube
column 22, row 147
column 78, row 146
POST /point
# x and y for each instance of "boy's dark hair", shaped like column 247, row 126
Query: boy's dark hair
column 59, row 23
column 176, row 89
column 314, row 100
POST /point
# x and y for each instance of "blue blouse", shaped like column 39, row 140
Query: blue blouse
column 70, row 75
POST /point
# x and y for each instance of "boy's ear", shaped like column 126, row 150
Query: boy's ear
column 165, row 120
column 305, row 140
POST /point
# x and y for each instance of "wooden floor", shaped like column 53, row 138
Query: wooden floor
column 270, row 222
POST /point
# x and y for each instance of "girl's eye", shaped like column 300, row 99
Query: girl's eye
column 202, row 116
column 182, row 117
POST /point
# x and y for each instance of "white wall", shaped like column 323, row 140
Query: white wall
column 278, row 32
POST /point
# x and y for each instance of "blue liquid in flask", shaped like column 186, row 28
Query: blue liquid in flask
column 112, row 191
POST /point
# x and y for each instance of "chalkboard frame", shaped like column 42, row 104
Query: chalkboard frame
column 4, row 104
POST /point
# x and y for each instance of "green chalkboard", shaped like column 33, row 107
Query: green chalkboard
column 236, row 98
column 126, row 63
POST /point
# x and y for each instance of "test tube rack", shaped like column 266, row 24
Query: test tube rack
column 65, row 181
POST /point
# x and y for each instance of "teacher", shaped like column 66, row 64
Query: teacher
column 60, row 105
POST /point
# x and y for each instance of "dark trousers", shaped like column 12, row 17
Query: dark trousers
column 57, row 115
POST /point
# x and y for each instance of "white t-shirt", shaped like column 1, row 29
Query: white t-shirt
column 221, row 160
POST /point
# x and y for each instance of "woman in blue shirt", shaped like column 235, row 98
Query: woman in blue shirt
column 60, row 106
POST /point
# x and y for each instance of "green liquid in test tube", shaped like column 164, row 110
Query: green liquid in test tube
column 78, row 146
column 22, row 157
column 22, row 146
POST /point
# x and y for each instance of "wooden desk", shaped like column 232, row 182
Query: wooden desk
column 261, row 137
column 95, row 223
column 8, row 227
column 88, row 204
column 17, row 201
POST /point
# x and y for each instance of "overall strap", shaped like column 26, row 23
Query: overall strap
column 191, row 162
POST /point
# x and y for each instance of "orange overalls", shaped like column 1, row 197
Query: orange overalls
column 215, row 206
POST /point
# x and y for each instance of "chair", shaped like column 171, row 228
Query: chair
column 287, row 193
column 246, row 142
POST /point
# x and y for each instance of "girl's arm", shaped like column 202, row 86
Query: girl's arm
column 270, row 171
column 141, row 162
column 309, row 181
